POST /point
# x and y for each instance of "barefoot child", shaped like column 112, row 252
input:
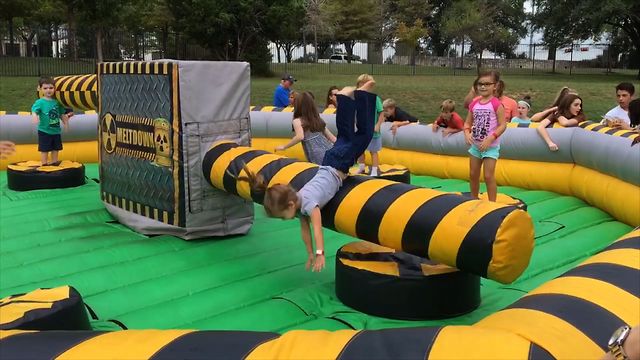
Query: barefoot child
column 309, row 129
column 282, row 200
column 484, row 125
column 376, row 141
column 48, row 113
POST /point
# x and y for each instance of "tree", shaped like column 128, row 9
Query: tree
column 12, row 9
column 411, row 36
column 582, row 19
column 101, row 15
column 353, row 22
column 284, row 23
column 478, row 22
column 319, row 23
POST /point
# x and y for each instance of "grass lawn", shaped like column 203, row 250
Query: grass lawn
column 420, row 95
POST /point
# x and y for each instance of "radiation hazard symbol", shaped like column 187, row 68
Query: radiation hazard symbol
column 108, row 132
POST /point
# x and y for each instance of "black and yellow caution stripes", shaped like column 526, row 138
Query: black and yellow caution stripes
column 574, row 315
column 59, row 308
column 603, row 129
column 131, row 344
column 77, row 91
column 383, row 282
column 31, row 175
column 487, row 239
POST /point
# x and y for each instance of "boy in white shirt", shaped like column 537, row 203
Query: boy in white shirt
column 620, row 113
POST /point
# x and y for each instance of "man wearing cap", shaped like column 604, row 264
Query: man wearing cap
column 281, row 95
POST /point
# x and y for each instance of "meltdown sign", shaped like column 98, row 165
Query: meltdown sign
column 150, row 151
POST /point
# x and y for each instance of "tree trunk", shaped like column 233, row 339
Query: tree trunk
column 277, row 51
column 11, row 51
column 462, row 55
column 348, row 45
column 288, row 51
column 479, row 61
column 136, row 46
column 71, row 34
column 99, row 56
column 315, row 42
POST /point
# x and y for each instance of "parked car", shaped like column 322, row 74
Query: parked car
column 338, row 59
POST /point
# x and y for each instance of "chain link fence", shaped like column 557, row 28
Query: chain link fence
column 49, row 52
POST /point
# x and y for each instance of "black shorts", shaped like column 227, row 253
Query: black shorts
column 49, row 142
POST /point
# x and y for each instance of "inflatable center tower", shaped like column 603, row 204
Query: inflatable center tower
column 156, row 121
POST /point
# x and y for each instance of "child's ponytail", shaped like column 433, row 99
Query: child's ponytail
column 256, row 181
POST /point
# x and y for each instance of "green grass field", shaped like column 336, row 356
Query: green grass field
column 420, row 95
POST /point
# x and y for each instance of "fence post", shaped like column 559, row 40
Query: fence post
column 533, row 59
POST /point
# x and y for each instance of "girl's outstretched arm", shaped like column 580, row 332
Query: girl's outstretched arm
column 299, row 135
column 316, row 221
column 305, row 232
column 545, row 135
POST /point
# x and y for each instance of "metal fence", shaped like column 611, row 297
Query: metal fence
column 49, row 53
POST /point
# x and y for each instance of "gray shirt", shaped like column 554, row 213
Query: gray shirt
column 319, row 190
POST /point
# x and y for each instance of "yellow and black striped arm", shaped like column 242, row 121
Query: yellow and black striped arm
column 574, row 315
column 77, row 91
column 488, row 239
column 453, row 342
column 597, row 127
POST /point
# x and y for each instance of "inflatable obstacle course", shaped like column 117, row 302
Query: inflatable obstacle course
column 31, row 175
column 156, row 120
column 488, row 239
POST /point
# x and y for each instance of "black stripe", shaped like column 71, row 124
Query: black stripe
column 229, row 181
column 44, row 344
column 520, row 125
column 584, row 124
column 257, row 108
column 476, row 249
column 597, row 128
column 627, row 134
column 303, row 177
column 612, row 131
column 418, row 231
column 81, row 94
column 408, row 265
column 628, row 243
column 592, row 320
column 329, row 210
column 277, row 109
column 374, row 209
column 268, row 172
column 621, row 276
column 61, row 85
column 93, row 93
column 538, row 353
column 212, row 155
column 213, row 345
column 402, row 343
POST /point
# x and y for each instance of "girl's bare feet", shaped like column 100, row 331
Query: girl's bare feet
column 347, row 91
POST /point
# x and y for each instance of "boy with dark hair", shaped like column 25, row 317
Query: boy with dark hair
column 620, row 113
column 48, row 113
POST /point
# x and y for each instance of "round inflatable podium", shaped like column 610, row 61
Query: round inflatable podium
column 31, row 175
column 383, row 282
column 398, row 173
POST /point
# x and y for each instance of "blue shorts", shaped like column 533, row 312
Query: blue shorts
column 492, row 152
column 375, row 145
column 49, row 142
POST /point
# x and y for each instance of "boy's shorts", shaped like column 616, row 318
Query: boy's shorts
column 375, row 145
column 492, row 152
column 49, row 142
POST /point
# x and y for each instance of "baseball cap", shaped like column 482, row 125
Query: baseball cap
column 288, row 77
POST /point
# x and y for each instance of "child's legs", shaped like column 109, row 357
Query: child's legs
column 365, row 110
column 474, row 175
column 375, row 159
column 489, row 165
column 54, row 156
column 345, row 115
column 44, row 158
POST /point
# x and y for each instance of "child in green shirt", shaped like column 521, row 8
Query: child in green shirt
column 48, row 113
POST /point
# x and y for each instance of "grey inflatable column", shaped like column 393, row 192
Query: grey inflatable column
column 156, row 121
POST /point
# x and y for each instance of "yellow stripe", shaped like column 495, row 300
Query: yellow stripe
column 220, row 166
column 392, row 226
column 625, row 257
column 604, row 130
column 350, row 207
column 147, row 68
column 267, row 108
column 255, row 165
column 155, row 214
column 590, row 127
column 304, row 345
column 54, row 294
column 176, row 145
column 469, row 342
column 288, row 109
column 512, row 247
column 608, row 296
column 379, row 267
column 555, row 335
column 130, row 344
column 632, row 233
column 7, row 333
column 287, row 173
column 454, row 226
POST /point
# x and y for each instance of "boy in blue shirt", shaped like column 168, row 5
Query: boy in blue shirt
column 48, row 113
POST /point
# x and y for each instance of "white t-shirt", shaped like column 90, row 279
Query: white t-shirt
column 618, row 112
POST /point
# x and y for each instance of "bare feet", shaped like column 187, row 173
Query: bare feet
column 552, row 146
column 347, row 91
column 368, row 86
